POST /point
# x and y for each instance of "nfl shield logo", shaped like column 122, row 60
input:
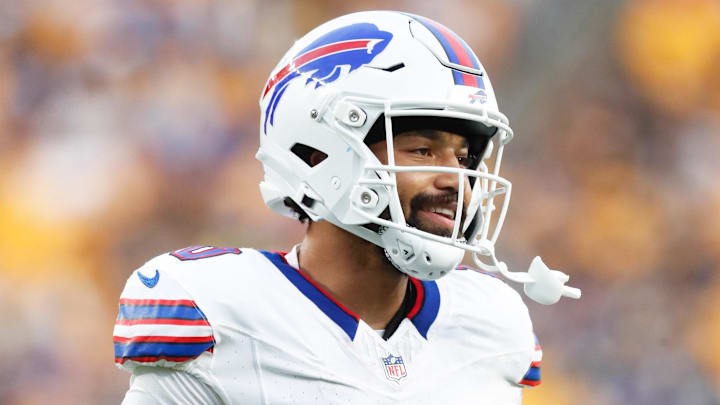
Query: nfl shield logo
column 394, row 367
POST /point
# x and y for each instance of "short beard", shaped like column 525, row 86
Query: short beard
column 417, row 204
column 421, row 202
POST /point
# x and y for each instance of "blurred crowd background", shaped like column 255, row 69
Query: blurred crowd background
column 128, row 128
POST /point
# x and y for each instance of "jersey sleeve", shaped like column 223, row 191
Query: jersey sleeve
column 532, row 377
column 162, row 386
column 500, row 324
column 158, row 322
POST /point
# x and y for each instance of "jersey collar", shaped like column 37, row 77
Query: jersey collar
column 427, row 305
column 422, row 314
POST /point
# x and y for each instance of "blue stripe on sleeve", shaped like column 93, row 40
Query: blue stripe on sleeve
column 159, row 311
column 161, row 349
column 533, row 374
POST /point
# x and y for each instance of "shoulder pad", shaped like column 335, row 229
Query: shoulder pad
column 158, row 322
column 500, row 318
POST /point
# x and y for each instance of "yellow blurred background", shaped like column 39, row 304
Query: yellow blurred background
column 128, row 129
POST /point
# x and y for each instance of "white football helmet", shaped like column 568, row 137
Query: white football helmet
column 358, row 76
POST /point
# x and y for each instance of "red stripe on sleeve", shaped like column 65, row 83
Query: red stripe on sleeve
column 161, row 321
column 151, row 359
column 127, row 301
column 531, row 383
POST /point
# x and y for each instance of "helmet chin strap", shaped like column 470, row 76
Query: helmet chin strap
column 419, row 257
column 540, row 283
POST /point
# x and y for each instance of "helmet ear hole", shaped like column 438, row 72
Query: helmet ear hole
column 308, row 154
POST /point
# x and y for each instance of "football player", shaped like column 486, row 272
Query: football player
column 381, row 130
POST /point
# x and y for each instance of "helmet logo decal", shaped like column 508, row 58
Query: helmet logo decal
column 479, row 96
column 456, row 49
column 322, row 61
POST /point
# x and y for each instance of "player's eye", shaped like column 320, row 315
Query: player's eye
column 421, row 151
column 467, row 161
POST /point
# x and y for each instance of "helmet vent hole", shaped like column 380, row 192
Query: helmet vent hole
column 442, row 272
column 427, row 259
column 307, row 201
column 308, row 154
column 431, row 273
column 394, row 251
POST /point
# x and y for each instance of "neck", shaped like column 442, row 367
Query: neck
column 354, row 272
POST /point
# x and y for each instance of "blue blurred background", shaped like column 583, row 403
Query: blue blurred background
column 128, row 128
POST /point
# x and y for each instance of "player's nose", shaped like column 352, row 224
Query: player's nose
column 448, row 181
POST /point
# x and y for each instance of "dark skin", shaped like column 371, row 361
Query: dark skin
column 354, row 271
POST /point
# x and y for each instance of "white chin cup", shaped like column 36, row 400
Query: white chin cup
column 418, row 257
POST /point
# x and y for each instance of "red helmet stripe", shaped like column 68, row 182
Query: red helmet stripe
column 464, row 58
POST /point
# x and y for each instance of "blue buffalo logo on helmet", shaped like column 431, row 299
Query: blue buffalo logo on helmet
column 321, row 62
column 478, row 97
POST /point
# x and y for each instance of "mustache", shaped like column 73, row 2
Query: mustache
column 425, row 200
column 422, row 201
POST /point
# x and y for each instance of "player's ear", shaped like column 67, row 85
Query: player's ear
column 316, row 157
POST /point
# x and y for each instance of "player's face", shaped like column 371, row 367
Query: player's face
column 429, row 200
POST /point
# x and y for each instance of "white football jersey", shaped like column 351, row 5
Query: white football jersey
column 255, row 329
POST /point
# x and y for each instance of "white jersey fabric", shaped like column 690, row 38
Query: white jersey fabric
column 242, row 326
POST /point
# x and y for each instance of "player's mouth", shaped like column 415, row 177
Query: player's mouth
column 442, row 216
